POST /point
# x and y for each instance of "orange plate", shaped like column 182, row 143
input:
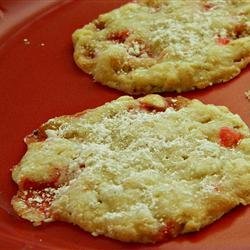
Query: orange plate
column 39, row 80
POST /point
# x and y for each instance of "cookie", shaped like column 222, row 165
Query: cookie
column 150, row 46
column 136, row 170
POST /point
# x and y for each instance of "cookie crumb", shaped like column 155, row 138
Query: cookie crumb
column 247, row 94
column 95, row 234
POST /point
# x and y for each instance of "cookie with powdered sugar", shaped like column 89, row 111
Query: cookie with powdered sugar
column 136, row 170
column 150, row 46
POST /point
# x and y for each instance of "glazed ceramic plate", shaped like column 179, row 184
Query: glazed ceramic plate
column 39, row 80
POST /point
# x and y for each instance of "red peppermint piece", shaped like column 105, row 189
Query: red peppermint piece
column 229, row 137
column 223, row 40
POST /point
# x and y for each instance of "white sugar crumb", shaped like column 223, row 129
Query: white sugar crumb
column 136, row 49
column 37, row 199
column 247, row 94
column 42, row 44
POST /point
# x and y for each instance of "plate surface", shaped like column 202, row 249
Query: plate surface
column 39, row 80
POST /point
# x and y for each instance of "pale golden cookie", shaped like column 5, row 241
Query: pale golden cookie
column 150, row 46
column 142, row 170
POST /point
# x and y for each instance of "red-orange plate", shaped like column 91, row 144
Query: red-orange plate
column 39, row 80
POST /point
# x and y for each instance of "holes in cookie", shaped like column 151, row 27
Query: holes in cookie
column 206, row 120
column 121, row 68
column 184, row 157
column 238, row 59
column 239, row 30
column 126, row 68
column 99, row 201
column 91, row 54
column 82, row 166
column 37, row 135
column 237, row 126
column 100, row 25
column 166, row 157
